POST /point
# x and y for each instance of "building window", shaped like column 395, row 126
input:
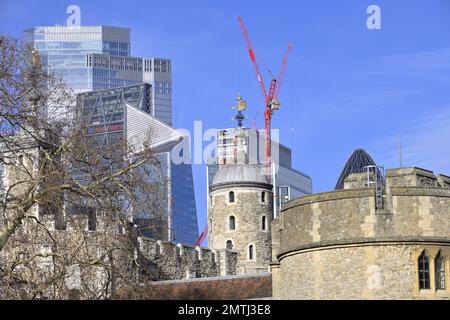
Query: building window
column 229, row 245
column 424, row 271
column 231, row 223
column 263, row 196
column 231, row 197
column 251, row 253
column 439, row 267
column 264, row 223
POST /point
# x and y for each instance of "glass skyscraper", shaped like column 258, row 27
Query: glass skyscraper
column 183, row 217
column 123, row 112
column 91, row 58
column 99, row 57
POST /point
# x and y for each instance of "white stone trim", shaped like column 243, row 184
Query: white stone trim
column 180, row 247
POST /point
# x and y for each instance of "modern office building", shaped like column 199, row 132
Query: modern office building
column 91, row 58
column 99, row 57
column 181, row 205
column 247, row 146
column 124, row 113
column 358, row 162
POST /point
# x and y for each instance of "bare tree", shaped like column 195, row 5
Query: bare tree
column 67, row 202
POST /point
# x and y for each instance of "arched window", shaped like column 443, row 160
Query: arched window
column 264, row 223
column 424, row 271
column 231, row 223
column 439, row 267
column 231, row 197
column 229, row 245
column 263, row 196
column 251, row 253
column 210, row 226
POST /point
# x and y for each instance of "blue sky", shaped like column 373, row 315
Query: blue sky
column 345, row 86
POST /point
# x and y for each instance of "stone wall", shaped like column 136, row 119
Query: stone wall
column 248, row 210
column 167, row 260
column 383, row 271
column 336, row 244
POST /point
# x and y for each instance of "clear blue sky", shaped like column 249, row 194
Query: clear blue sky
column 345, row 86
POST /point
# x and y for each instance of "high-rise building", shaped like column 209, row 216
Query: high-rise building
column 124, row 112
column 247, row 146
column 99, row 57
column 181, row 204
column 91, row 58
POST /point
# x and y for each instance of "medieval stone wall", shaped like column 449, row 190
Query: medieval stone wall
column 248, row 211
column 336, row 245
column 168, row 261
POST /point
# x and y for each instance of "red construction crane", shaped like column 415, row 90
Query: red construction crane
column 270, row 99
column 202, row 236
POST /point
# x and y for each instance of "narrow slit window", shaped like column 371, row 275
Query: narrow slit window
column 231, row 223
column 231, row 197
column 251, row 254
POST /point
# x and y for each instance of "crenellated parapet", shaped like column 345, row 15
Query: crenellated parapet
column 338, row 244
column 169, row 261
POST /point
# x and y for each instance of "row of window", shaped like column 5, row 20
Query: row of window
column 424, row 271
column 231, row 197
column 250, row 249
column 232, row 223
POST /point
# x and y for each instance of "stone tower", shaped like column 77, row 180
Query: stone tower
column 339, row 245
column 240, row 215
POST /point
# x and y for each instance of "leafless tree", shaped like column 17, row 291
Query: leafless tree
column 65, row 202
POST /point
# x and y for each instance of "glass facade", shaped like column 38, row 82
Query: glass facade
column 182, row 213
column 66, row 49
column 184, row 216
column 99, row 57
column 105, row 110
column 357, row 163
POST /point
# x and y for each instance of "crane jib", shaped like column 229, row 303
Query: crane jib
column 252, row 55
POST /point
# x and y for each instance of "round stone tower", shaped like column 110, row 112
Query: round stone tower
column 240, row 215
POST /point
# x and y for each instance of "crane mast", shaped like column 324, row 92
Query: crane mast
column 270, row 102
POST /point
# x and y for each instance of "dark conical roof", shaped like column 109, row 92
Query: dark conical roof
column 355, row 164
